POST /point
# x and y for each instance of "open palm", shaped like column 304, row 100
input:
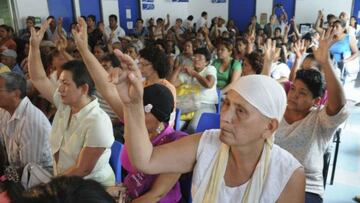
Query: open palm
column 128, row 80
column 80, row 34
column 322, row 53
column 37, row 36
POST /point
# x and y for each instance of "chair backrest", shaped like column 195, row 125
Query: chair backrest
column 177, row 119
column 115, row 160
column 208, row 121
column 218, row 105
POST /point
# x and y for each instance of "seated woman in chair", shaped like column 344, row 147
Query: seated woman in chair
column 201, row 76
column 237, row 162
column 307, row 127
column 159, row 104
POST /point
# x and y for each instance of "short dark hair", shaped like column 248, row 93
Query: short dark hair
column 158, row 59
column 68, row 189
column 53, row 53
column 5, row 27
column 139, row 19
column 80, row 74
column 111, row 58
column 205, row 52
column 256, row 61
column 313, row 80
column 113, row 16
column 190, row 17
column 92, row 17
column 50, row 17
column 31, row 18
column 203, row 14
column 14, row 81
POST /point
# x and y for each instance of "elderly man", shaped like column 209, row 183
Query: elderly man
column 24, row 129
column 8, row 58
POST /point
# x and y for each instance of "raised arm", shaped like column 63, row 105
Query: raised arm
column 97, row 72
column 318, row 21
column 269, row 54
column 37, row 72
column 175, row 157
column 336, row 96
column 299, row 49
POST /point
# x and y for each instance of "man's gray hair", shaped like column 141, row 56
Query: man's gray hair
column 14, row 81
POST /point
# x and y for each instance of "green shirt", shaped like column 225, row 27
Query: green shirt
column 224, row 78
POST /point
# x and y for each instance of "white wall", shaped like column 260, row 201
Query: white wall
column 263, row 6
column 164, row 7
column 25, row 8
column 196, row 7
column 306, row 10
column 77, row 8
column 109, row 7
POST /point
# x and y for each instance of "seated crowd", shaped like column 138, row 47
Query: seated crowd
column 66, row 96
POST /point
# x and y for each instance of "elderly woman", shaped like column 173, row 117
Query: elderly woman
column 237, row 162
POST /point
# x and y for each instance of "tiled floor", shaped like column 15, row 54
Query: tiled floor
column 347, row 179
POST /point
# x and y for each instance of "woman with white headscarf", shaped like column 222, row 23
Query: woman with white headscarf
column 239, row 162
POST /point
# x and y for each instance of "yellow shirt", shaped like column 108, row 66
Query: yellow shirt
column 90, row 127
column 4, row 69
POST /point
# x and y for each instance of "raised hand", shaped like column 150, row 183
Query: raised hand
column 269, row 50
column 128, row 79
column 37, row 36
column 80, row 35
column 299, row 48
column 326, row 40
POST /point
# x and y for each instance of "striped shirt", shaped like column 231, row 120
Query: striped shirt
column 26, row 135
column 106, row 107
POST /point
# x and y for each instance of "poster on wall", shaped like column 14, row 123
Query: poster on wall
column 148, row 6
column 218, row 1
column 149, row 1
column 180, row 0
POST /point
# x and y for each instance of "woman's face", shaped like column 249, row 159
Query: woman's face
column 146, row 68
column 247, row 68
column 338, row 29
column 151, row 122
column 300, row 98
column 132, row 53
column 241, row 123
column 240, row 46
column 98, row 52
column 188, row 48
column 199, row 62
column 223, row 52
column 29, row 24
column 352, row 21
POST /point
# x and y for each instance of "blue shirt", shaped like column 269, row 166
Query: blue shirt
column 341, row 49
column 17, row 69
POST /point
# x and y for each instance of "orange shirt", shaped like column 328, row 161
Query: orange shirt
column 9, row 43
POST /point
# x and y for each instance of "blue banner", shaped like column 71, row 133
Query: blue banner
column 148, row 6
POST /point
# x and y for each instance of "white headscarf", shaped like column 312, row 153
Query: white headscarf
column 267, row 96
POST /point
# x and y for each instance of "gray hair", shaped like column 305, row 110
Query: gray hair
column 14, row 81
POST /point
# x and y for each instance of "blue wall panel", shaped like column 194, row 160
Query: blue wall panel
column 62, row 8
column 289, row 6
column 241, row 12
column 133, row 5
column 91, row 7
column 356, row 10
